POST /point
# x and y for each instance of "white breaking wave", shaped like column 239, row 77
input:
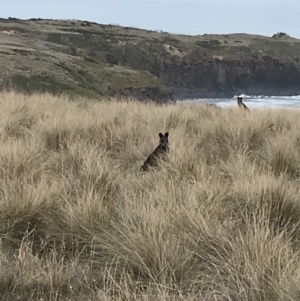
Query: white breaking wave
column 260, row 101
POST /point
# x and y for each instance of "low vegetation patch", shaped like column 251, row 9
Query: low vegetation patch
column 218, row 220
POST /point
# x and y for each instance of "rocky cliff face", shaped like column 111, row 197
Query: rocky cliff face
column 227, row 77
column 263, row 67
column 93, row 60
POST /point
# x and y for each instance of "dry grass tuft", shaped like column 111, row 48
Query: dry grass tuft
column 78, row 221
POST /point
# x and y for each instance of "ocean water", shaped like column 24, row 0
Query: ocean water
column 253, row 101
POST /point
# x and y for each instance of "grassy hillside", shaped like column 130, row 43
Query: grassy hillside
column 94, row 60
column 220, row 221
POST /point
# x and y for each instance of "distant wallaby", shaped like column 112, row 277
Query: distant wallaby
column 159, row 153
column 270, row 126
column 241, row 104
column 212, row 105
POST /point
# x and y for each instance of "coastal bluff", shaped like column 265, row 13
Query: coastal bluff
column 89, row 59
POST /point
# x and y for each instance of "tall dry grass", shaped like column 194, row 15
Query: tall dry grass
column 78, row 221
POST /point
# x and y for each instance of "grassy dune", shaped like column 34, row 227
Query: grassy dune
column 219, row 221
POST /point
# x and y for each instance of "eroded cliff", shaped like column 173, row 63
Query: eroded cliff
column 80, row 57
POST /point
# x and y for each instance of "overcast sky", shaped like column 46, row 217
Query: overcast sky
column 264, row 17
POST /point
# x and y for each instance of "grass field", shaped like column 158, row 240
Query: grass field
column 78, row 221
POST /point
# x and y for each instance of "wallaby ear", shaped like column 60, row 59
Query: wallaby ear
column 160, row 135
column 167, row 134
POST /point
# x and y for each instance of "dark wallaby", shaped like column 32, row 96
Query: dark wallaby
column 159, row 153
column 241, row 104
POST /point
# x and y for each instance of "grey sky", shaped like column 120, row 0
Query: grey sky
column 264, row 17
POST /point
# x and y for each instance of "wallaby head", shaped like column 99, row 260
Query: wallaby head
column 239, row 99
column 270, row 126
column 241, row 104
column 164, row 141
